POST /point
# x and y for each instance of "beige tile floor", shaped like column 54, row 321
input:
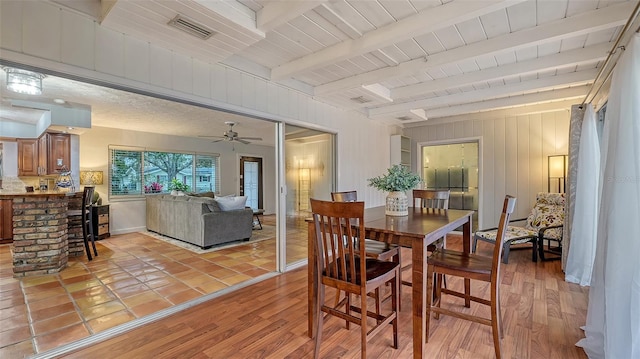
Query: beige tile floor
column 133, row 276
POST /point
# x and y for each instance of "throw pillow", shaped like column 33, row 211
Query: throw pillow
column 231, row 203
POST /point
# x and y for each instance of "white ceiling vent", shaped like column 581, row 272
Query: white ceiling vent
column 360, row 99
column 405, row 118
column 191, row 27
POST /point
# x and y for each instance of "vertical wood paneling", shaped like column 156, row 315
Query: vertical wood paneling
column 536, row 162
column 201, row 79
column 260, row 87
column 109, row 52
column 458, row 130
column 487, row 189
column 219, row 83
column 42, row 30
column 234, row 87
column 77, row 46
column 292, row 101
column 303, row 103
column 548, row 143
column 283, row 101
column 562, row 126
column 248, row 91
column 511, row 158
column 272, row 98
column 160, row 67
column 182, row 73
column 523, row 166
column 499, row 179
column 136, row 55
column 11, row 25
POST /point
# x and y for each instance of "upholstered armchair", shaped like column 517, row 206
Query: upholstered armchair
column 543, row 223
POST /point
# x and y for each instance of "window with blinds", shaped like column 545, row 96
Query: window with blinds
column 135, row 171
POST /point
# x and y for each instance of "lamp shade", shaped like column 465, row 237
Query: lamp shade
column 23, row 81
column 91, row 177
column 557, row 166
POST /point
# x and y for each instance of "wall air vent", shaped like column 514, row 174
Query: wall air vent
column 360, row 99
column 404, row 118
column 191, row 27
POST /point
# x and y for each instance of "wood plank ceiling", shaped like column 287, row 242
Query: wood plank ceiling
column 400, row 61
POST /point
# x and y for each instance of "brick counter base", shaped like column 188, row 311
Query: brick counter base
column 39, row 235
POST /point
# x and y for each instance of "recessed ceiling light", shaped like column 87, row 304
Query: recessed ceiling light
column 59, row 100
column 69, row 128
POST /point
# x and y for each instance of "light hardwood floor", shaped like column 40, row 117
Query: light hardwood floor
column 542, row 315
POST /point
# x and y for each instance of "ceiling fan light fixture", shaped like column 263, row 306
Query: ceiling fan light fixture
column 23, row 81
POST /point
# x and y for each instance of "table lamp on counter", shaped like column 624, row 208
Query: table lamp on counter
column 92, row 178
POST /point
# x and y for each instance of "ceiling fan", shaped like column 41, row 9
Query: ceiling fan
column 231, row 135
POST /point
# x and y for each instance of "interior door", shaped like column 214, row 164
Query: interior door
column 251, row 181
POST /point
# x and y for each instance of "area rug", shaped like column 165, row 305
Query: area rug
column 257, row 235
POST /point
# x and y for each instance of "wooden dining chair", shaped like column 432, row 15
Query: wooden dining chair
column 470, row 267
column 339, row 227
column 373, row 248
column 85, row 215
column 430, row 201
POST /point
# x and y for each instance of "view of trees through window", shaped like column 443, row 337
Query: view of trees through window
column 136, row 172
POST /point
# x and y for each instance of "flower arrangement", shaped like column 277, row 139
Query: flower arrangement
column 397, row 178
column 176, row 185
column 154, row 187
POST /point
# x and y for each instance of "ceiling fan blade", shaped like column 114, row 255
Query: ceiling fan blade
column 250, row 138
column 222, row 139
column 214, row 136
column 241, row 141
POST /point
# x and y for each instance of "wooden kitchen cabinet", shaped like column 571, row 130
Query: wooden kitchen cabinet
column 58, row 152
column 45, row 155
column 6, row 220
column 28, row 157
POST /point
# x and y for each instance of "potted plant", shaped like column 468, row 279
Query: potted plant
column 177, row 187
column 396, row 181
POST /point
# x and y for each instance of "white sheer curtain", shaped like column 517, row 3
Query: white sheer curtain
column 582, row 250
column 613, row 318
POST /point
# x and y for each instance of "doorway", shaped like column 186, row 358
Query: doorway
column 454, row 166
column 251, row 181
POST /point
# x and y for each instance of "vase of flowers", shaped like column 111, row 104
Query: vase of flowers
column 154, row 187
column 396, row 181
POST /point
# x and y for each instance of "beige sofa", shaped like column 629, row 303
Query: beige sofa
column 197, row 220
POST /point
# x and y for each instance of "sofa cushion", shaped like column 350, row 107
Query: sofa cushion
column 204, row 194
column 231, row 203
column 208, row 204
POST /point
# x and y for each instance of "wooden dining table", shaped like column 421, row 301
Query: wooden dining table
column 420, row 228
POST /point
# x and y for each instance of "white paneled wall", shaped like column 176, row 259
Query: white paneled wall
column 44, row 35
column 513, row 151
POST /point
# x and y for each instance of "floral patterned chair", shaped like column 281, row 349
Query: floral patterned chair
column 544, row 222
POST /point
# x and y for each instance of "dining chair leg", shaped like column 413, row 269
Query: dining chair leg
column 467, row 292
column 496, row 330
column 429, row 300
column 378, row 299
column 438, row 293
column 363, row 323
column 85, row 236
column 347, row 309
column 395, row 303
column 319, row 321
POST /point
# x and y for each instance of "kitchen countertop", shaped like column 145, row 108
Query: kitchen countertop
column 9, row 195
